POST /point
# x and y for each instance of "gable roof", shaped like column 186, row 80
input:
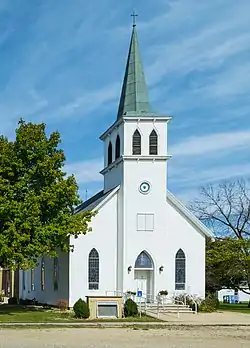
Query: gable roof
column 180, row 207
column 96, row 201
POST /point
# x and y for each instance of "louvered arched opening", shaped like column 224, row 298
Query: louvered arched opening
column 93, row 270
column 117, row 147
column 153, row 143
column 180, row 270
column 136, row 145
column 110, row 153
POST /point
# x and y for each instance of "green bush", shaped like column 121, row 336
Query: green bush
column 210, row 304
column 130, row 308
column 13, row 301
column 81, row 309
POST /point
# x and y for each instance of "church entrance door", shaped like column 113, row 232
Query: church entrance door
column 144, row 276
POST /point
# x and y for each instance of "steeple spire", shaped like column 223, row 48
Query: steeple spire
column 134, row 95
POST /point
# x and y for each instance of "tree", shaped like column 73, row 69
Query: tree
column 37, row 199
column 226, row 264
column 225, row 208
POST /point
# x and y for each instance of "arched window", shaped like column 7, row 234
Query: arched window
column 32, row 279
column 136, row 146
column 144, row 261
column 42, row 274
column 117, row 147
column 93, row 270
column 110, row 157
column 55, row 273
column 180, row 270
column 153, row 143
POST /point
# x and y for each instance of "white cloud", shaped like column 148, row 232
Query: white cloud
column 86, row 171
column 212, row 143
column 88, row 102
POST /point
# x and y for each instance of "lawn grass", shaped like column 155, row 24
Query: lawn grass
column 32, row 314
column 235, row 307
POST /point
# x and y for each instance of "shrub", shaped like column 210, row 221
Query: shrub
column 210, row 304
column 81, row 309
column 184, row 298
column 28, row 302
column 62, row 305
column 2, row 294
column 13, row 301
column 130, row 308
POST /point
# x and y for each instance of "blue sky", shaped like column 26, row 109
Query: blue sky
column 62, row 62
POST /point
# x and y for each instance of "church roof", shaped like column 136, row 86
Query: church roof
column 94, row 201
column 188, row 215
column 134, row 96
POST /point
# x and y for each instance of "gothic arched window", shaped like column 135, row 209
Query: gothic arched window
column 55, row 273
column 110, row 155
column 136, row 145
column 117, row 147
column 93, row 270
column 144, row 261
column 180, row 270
column 153, row 143
column 42, row 274
column 32, row 279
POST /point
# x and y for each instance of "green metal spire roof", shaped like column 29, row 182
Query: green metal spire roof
column 134, row 95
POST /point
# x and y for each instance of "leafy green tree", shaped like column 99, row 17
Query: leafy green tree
column 225, row 208
column 227, row 264
column 37, row 199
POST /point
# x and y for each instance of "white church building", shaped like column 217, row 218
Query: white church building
column 143, row 238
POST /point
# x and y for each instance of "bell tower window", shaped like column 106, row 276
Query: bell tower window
column 110, row 153
column 117, row 147
column 136, row 145
column 153, row 143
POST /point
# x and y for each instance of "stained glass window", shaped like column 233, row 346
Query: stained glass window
column 143, row 261
column 42, row 274
column 55, row 273
column 93, row 270
column 180, row 270
column 32, row 279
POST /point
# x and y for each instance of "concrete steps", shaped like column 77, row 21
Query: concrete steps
column 167, row 308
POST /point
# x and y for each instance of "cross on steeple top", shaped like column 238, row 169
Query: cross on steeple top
column 134, row 15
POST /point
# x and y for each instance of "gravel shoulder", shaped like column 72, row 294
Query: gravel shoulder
column 207, row 337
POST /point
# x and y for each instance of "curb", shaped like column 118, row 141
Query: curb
column 150, row 325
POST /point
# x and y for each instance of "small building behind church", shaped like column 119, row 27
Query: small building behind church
column 143, row 238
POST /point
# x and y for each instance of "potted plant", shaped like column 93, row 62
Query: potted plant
column 163, row 293
column 130, row 294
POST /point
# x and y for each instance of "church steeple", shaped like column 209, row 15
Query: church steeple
column 134, row 96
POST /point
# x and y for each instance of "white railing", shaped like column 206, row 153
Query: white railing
column 148, row 303
column 194, row 302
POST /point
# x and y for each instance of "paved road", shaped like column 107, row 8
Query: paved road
column 126, row 338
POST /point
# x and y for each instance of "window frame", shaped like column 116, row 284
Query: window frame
column 42, row 274
column 117, row 147
column 153, row 143
column 93, row 270
column 180, row 266
column 110, row 153
column 32, row 279
column 136, row 143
